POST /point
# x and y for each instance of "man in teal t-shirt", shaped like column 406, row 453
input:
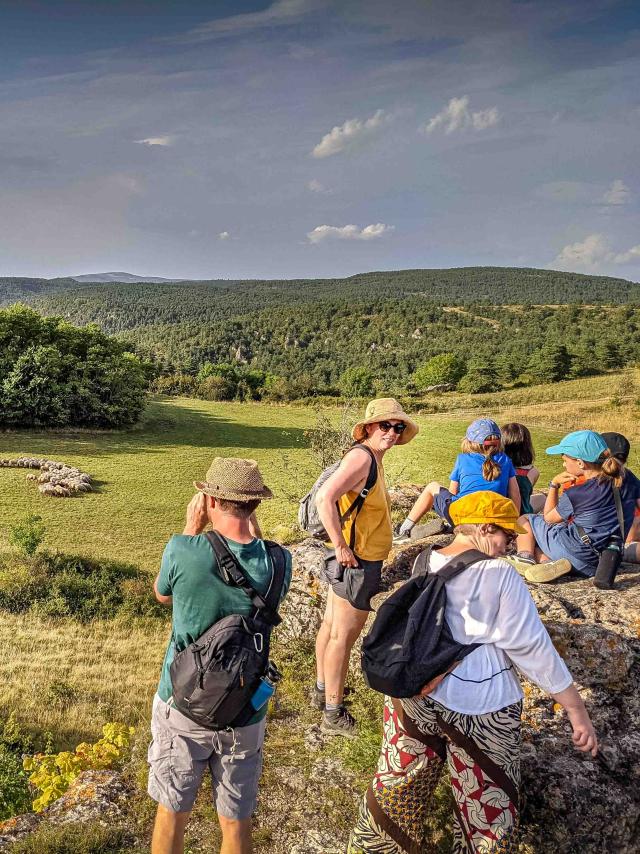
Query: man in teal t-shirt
column 189, row 581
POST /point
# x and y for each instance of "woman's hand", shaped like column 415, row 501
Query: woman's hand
column 345, row 556
column 584, row 735
column 433, row 683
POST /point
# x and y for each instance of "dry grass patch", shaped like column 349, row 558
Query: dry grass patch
column 68, row 679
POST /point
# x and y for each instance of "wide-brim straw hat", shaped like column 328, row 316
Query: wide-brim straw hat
column 486, row 508
column 381, row 410
column 234, row 479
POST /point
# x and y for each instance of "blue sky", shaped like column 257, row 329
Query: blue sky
column 245, row 138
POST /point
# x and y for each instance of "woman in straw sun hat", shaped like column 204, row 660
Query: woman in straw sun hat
column 362, row 542
column 470, row 717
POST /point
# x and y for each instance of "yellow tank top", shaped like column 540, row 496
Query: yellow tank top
column 373, row 524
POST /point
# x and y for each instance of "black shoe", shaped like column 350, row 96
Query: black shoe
column 339, row 722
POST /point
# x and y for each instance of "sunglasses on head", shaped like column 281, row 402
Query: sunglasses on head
column 397, row 428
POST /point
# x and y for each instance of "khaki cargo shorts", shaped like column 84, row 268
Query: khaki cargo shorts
column 181, row 751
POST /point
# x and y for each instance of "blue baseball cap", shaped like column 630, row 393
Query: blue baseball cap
column 480, row 430
column 584, row 445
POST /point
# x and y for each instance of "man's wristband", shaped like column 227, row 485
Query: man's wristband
column 554, row 485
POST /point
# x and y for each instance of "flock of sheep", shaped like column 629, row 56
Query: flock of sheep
column 56, row 479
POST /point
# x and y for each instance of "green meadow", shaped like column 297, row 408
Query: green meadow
column 144, row 477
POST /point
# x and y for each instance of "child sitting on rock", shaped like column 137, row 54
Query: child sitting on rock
column 620, row 447
column 482, row 466
column 576, row 526
column 518, row 446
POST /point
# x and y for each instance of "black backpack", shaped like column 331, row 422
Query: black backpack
column 215, row 677
column 308, row 517
column 410, row 642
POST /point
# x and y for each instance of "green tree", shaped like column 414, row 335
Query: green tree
column 446, row 368
column 357, row 382
column 550, row 364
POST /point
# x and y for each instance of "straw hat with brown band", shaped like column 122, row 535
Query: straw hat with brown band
column 234, row 479
column 381, row 410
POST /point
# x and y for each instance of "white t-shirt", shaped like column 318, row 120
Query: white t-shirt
column 488, row 603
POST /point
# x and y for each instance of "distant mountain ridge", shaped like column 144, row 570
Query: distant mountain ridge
column 120, row 277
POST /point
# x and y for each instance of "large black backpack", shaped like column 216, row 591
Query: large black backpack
column 215, row 677
column 410, row 642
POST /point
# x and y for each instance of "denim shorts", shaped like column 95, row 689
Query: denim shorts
column 180, row 752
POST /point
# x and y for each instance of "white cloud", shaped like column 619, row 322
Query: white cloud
column 279, row 13
column 350, row 134
column 155, row 140
column 632, row 254
column 224, row 235
column 317, row 187
column 349, row 232
column 617, row 194
column 457, row 116
column 586, row 253
column 593, row 251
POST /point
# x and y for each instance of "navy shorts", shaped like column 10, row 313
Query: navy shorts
column 441, row 502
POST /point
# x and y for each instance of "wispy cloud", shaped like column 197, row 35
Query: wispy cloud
column 457, row 116
column 279, row 13
column 594, row 250
column 349, row 232
column 318, row 187
column 350, row 134
column 224, row 235
column 156, row 140
column 617, row 194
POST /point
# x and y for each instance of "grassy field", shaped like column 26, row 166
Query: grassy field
column 62, row 677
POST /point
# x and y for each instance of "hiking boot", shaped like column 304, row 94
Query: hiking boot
column 542, row 573
column 317, row 698
column 338, row 722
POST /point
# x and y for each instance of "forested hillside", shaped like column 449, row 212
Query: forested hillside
column 356, row 335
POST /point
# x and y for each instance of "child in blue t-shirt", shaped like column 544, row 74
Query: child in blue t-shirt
column 482, row 466
column 576, row 526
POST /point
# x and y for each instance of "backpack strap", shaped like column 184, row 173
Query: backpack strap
column 356, row 504
column 618, row 500
column 460, row 562
column 421, row 563
column 279, row 564
column 232, row 573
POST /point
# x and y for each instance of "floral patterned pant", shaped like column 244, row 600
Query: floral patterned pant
column 483, row 757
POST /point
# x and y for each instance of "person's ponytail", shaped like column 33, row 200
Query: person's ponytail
column 490, row 468
column 612, row 470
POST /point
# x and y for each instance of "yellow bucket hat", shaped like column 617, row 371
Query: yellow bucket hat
column 380, row 410
column 235, row 479
column 486, row 508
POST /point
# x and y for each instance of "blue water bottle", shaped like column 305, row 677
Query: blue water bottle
column 264, row 693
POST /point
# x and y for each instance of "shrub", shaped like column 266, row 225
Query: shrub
column 52, row 774
column 28, row 535
column 57, row 585
column 357, row 382
column 327, row 442
column 76, row 838
column 444, row 369
column 15, row 796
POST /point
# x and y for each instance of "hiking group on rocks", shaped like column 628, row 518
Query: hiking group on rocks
column 465, row 617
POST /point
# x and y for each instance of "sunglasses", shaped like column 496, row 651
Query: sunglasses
column 397, row 428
